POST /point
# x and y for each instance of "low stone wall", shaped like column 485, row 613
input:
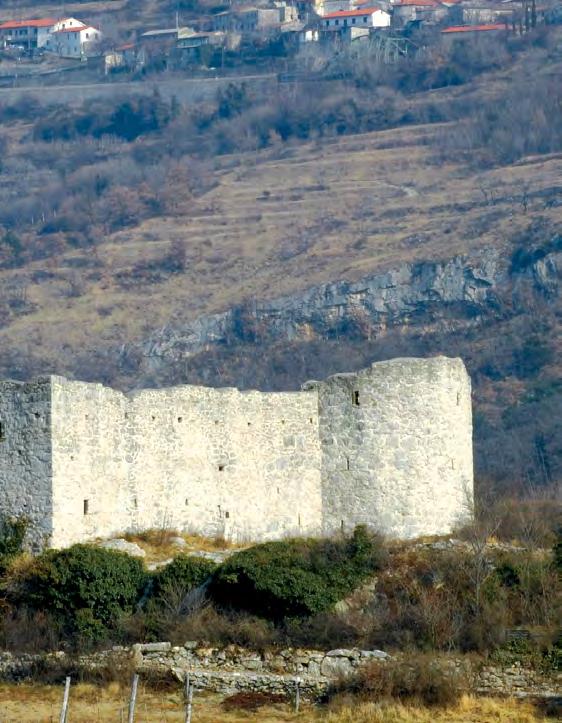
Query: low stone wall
column 231, row 669
column 516, row 681
column 291, row 661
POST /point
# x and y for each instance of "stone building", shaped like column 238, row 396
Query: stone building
column 389, row 446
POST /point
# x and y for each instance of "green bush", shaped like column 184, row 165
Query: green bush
column 298, row 577
column 88, row 589
column 12, row 535
column 184, row 572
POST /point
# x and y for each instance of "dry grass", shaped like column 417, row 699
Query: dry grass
column 159, row 545
column 41, row 704
column 468, row 710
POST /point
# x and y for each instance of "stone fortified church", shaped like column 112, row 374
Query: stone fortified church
column 390, row 446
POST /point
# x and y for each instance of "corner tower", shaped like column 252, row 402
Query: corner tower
column 396, row 443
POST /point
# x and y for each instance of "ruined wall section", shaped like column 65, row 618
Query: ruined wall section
column 397, row 447
column 25, row 456
column 245, row 465
column 92, row 496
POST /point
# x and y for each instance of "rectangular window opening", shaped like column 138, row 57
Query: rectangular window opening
column 355, row 398
column 347, row 463
column 180, row 419
column 186, row 501
column 2, row 431
column 221, row 467
column 227, row 515
column 86, row 506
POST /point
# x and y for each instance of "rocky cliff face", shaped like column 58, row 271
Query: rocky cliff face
column 464, row 290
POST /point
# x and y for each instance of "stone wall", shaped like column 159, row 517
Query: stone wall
column 390, row 447
column 231, row 669
column 25, row 456
column 245, row 465
column 396, row 445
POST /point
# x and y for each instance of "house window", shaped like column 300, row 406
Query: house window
column 355, row 399
column 364, row 19
column 86, row 506
column 353, row 21
column 337, row 22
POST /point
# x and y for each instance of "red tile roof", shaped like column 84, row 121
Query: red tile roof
column 41, row 23
column 474, row 28
column 351, row 13
column 76, row 29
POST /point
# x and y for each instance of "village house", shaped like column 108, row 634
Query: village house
column 342, row 20
column 197, row 47
column 74, row 41
column 247, row 20
column 479, row 13
column 410, row 11
column 123, row 57
column 27, row 33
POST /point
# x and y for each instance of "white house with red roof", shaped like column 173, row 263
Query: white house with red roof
column 71, row 38
column 366, row 18
column 28, row 33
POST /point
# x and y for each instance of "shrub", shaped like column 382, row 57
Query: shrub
column 298, row 577
column 12, row 534
column 183, row 572
column 421, row 679
column 86, row 588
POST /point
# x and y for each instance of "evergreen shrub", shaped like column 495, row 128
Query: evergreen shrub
column 296, row 577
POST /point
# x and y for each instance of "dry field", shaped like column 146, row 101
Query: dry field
column 41, row 704
column 277, row 222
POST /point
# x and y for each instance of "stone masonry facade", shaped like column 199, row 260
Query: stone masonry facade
column 389, row 446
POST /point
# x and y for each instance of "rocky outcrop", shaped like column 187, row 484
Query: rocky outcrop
column 464, row 287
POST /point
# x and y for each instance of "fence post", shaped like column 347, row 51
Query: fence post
column 189, row 707
column 64, row 710
column 133, row 699
column 297, row 695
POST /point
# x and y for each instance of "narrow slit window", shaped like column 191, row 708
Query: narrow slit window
column 86, row 507
column 355, row 398
column 227, row 515
column 2, row 431
column 347, row 463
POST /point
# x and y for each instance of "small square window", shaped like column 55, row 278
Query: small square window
column 180, row 419
column 221, row 467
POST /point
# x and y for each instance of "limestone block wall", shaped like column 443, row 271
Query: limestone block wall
column 397, row 447
column 25, row 455
column 245, row 465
